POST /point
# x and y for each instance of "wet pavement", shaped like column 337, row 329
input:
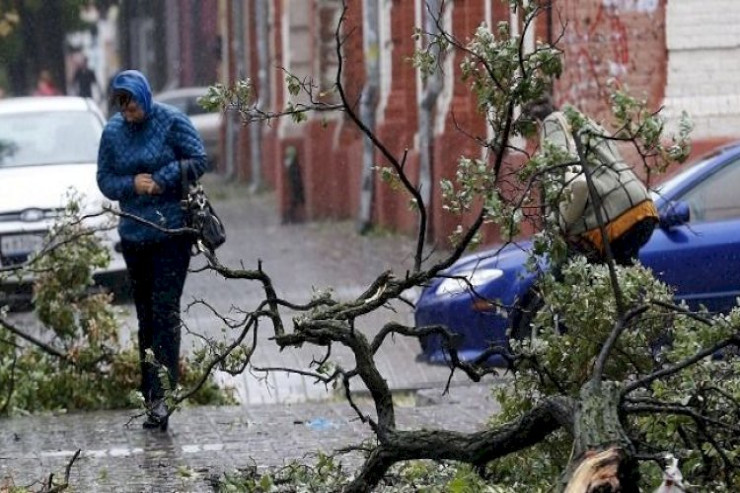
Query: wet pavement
column 280, row 416
column 203, row 443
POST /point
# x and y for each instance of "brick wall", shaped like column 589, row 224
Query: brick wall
column 457, row 116
column 601, row 39
column 610, row 39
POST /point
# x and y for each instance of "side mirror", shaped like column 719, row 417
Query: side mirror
column 674, row 214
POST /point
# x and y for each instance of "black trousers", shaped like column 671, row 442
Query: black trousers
column 158, row 271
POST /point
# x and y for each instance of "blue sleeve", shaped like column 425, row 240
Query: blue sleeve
column 187, row 144
column 113, row 185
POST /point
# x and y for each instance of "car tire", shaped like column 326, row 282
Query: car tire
column 121, row 288
column 522, row 328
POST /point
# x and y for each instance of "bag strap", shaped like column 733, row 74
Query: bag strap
column 184, row 167
column 569, row 137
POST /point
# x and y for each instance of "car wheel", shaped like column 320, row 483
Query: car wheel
column 523, row 327
column 121, row 288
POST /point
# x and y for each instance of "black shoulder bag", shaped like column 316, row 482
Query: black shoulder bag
column 208, row 230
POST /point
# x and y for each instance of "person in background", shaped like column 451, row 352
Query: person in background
column 139, row 165
column 45, row 85
column 84, row 79
column 625, row 203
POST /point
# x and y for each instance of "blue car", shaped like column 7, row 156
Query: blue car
column 696, row 249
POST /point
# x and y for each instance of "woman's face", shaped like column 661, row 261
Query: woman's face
column 132, row 112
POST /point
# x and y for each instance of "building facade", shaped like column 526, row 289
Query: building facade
column 323, row 168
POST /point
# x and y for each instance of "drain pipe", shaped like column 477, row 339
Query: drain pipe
column 368, row 104
column 261, row 11
column 429, row 96
column 233, row 119
column 173, row 44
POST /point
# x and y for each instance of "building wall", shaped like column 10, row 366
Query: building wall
column 456, row 111
column 644, row 45
column 175, row 43
column 703, row 43
column 603, row 40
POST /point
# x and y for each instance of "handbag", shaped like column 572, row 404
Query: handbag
column 200, row 216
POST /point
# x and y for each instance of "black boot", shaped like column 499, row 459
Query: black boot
column 157, row 417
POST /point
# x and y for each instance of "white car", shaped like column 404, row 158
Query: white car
column 48, row 147
column 207, row 123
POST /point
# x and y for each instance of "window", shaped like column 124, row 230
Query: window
column 716, row 198
column 28, row 139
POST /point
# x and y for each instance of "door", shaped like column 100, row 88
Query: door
column 701, row 259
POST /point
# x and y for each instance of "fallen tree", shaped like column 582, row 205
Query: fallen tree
column 634, row 380
column 70, row 357
column 598, row 408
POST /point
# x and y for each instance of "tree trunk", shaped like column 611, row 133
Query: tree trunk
column 604, row 454
column 477, row 449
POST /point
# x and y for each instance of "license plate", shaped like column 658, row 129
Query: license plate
column 14, row 245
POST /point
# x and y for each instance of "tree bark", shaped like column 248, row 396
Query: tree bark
column 603, row 451
column 472, row 448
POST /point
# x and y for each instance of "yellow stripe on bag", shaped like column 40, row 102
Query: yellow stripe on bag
column 616, row 228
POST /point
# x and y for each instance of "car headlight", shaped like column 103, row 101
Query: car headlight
column 466, row 279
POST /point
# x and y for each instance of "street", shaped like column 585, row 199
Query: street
column 302, row 259
column 205, row 440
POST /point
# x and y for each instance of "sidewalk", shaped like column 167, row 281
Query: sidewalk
column 281, row 417
column 205, row 442
column 301, row 259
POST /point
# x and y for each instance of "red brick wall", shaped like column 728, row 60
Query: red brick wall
column 397, row 127
column 601, row 40
column 463, row 121
column 610, row 39
column 275, row 148
column 333, row 154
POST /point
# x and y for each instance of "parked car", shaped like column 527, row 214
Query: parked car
column 48, row 145
column 207, row 123
column 696, row 249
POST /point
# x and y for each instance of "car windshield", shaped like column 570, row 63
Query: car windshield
column 677, row 181
column 187, row 104
column 31, row 139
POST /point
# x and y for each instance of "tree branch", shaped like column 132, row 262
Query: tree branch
column 477, row 448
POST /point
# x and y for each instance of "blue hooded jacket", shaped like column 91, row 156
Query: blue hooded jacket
column 156, row 145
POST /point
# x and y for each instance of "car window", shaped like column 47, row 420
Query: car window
column 179, row 103
column 194, row 108
column 29, row 139
column 187, row 104
column 716, row 197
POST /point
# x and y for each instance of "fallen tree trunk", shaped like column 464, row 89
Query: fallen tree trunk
column 603, row 457
column 603, row 453
column 476, row 449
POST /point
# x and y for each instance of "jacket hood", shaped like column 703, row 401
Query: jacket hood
column 135, row 82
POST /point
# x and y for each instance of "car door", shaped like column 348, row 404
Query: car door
column 701, row 259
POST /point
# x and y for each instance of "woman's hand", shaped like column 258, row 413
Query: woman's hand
column 144, row 184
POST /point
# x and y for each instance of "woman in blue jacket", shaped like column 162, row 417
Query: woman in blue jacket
column 139, row 165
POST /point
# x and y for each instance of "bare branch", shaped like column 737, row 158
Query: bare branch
column 48, row 349
column 477, row 448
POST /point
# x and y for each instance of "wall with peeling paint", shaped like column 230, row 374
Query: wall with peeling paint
column 610, row 40
column 683, row 54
